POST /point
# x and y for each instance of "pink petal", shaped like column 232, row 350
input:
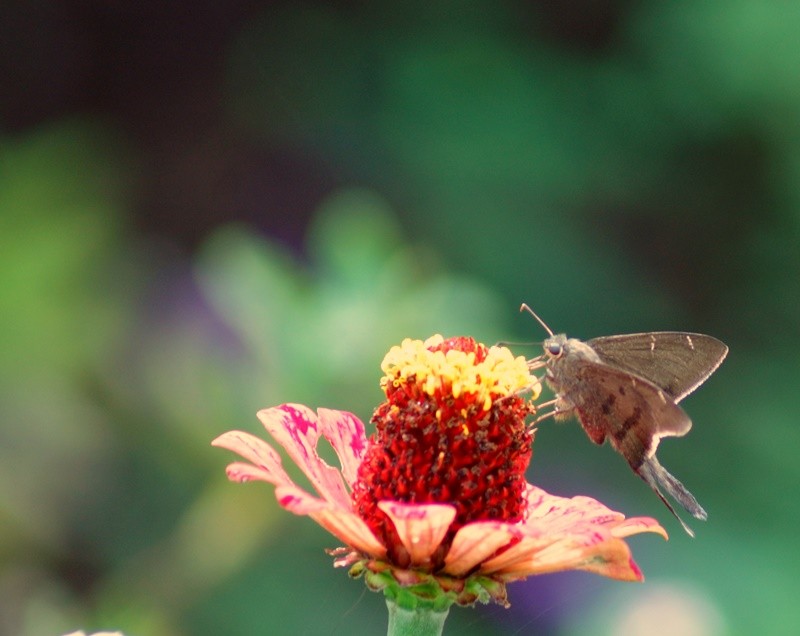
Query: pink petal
column 421, row 527
column 296, row 428
column 266, row 461
column 601, row 555
column 610, row 558
column 352, row 530
column 570, row 533
column 242, row 472
column 565, row 512
column 635, row 525
column 617, row 563
column 474, row 543
column 346, row 526
column 349, row 558
column 518, row 555
column 576, row 545
column 345, row 432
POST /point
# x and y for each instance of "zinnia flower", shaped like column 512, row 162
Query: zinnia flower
column 434, row 508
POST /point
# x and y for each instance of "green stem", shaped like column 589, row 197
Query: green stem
column 420, row 621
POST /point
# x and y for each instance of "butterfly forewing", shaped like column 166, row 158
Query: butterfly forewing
column 675, row 361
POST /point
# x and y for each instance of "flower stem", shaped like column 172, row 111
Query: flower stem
column 420, row 621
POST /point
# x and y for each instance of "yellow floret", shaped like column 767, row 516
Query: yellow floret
column 499, row 375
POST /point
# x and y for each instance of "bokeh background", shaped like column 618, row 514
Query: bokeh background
column 207, row 208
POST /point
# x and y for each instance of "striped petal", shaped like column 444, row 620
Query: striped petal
column 345, row 432
column 571, row 533
column 265, row 461
column 476, row 542
column 421, row 527
column 297, row 429
column 345, row 525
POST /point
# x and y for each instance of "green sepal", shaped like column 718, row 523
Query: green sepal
column 414, row 589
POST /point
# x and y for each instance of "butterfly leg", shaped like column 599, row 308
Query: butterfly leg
column 556, row 413
column 545, row 405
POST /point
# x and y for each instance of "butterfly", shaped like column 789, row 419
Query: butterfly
column 626, row 389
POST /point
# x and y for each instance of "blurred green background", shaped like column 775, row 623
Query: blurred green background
column 210, row 208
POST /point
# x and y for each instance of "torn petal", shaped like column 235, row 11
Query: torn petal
column 345, row 432
column 296, row 428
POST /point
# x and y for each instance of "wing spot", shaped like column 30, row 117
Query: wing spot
column 691, row 344
column 629, row 423
column 608, row 403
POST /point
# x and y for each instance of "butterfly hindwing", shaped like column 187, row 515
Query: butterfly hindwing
column 630, row 411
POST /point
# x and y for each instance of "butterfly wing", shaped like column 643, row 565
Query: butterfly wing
column 633, row 413
column 674, row 361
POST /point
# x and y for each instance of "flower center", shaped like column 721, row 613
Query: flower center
column 452, row 430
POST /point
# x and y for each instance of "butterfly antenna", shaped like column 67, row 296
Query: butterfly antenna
column 524, row 307
column 512, row 343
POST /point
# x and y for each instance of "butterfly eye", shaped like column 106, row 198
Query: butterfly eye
column 554, row 349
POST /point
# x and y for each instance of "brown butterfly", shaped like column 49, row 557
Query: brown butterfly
column 626, row 389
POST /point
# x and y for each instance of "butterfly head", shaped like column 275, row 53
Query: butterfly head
column 559, row 347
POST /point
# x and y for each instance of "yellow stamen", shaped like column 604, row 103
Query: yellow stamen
column 499, row 375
